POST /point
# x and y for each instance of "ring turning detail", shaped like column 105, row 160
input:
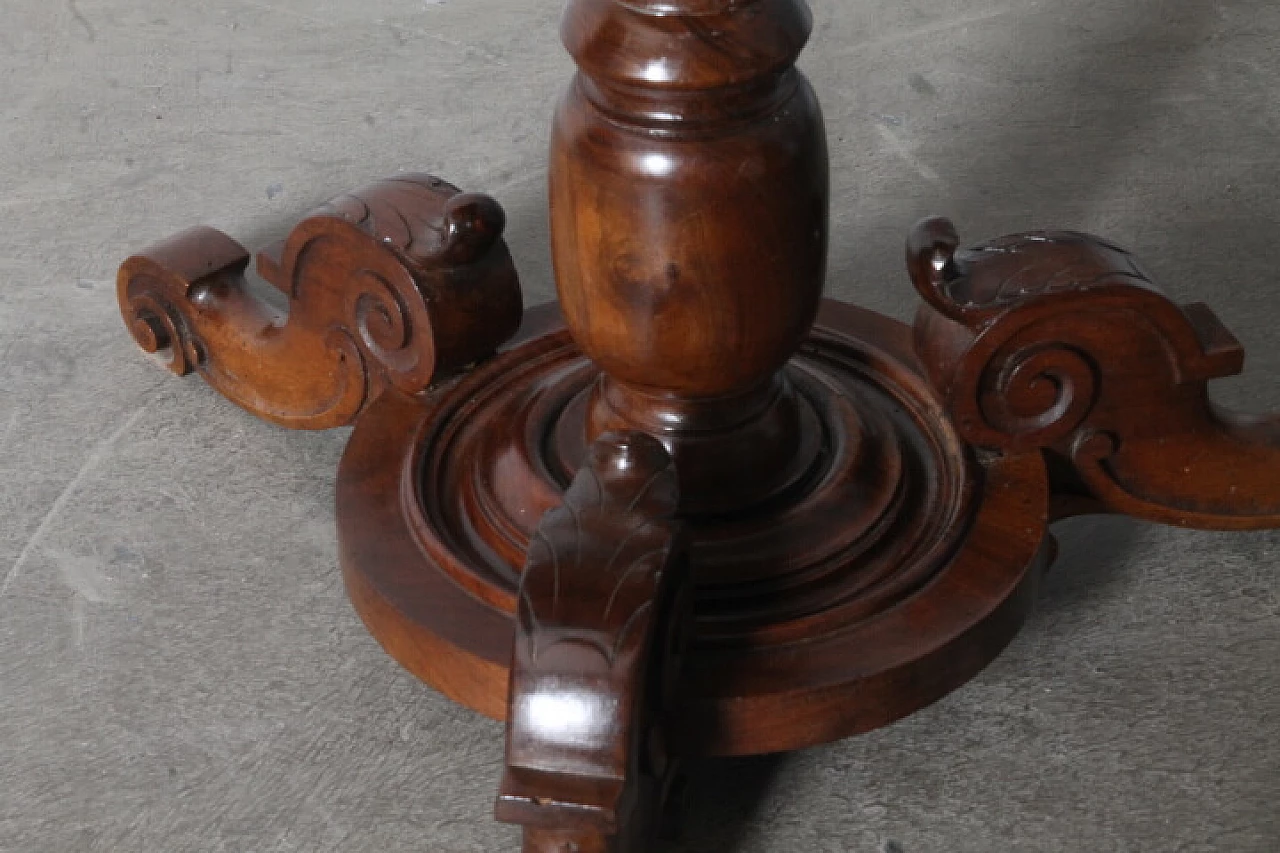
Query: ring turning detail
column 694, row 509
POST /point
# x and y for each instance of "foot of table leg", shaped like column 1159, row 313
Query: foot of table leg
column 604, row 613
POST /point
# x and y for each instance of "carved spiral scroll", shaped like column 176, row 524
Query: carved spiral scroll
column 401, row 284
column 160, row 331
column 1061, row 342
column 1038, row 394
column 382, row 318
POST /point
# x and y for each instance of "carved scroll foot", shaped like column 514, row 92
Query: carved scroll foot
column 399, row 284
column 1062, row 342
column 605, row 607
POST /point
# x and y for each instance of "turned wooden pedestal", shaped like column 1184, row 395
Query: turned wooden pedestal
column 694, row 509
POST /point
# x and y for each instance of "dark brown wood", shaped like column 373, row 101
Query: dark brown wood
column 854, row 602
column 395, row 285
column 689, row 197
column 674, row 516
column 604, row 616
column 1061, row 342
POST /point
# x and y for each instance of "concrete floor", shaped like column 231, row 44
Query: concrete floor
column 179, row 669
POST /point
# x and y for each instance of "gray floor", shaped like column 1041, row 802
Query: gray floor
column 179, row 669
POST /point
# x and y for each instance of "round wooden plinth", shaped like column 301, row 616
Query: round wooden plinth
column 886, row 576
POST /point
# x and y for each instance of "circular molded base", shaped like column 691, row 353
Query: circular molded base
column 889, row 574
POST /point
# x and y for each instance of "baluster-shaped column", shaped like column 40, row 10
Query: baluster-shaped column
column 689, row 202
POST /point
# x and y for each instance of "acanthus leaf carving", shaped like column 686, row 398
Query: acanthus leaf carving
column 604, row 611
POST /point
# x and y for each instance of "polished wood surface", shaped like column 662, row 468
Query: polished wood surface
column 693, row 509
column 690, row 124
column 854, row 603
column 603, row 620
column 1061, row 342
column 395, row 285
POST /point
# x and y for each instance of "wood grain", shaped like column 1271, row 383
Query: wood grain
column 604, row 617
column 1062, row 342
column 395, row 285
column 689, row 205
column 695, row 509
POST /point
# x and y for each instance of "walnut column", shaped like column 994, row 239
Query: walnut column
column 689, row 203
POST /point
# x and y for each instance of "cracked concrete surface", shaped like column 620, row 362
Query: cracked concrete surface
column 179, row 669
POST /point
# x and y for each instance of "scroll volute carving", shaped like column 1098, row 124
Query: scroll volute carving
column 399, row 284
column 604, row 610
column 1061, row 341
